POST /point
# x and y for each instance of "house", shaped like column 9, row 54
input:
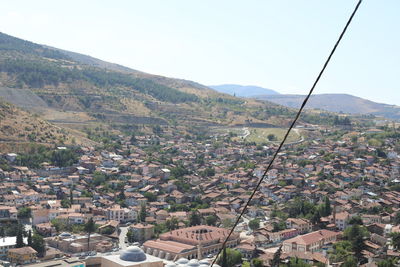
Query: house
column 142, row 232
column 8, row 213
column 311, row 242
column 11, row 157
column 119, row 214
column 340, row 220
column 115, row 213
column 302, row 225
column 24, row 255
column 7, row 243
column 76, row 244
column 45, row 229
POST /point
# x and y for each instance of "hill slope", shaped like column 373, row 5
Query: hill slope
column 243, row 90
column 21, row 127
column 100, row 92
column 337, row 103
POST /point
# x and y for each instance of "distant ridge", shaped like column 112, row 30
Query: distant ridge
column 243, row 90
column 336, row 103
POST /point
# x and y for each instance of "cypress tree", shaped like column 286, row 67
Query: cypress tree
column 224, row 258
column 30, row 238
column 276, row 260
column 327, row 207
column 20, row 239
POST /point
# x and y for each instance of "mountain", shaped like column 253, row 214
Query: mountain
column 243, row 90
column 81, row 92
column 336, row 103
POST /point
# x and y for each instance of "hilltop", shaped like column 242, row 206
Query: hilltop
column 337, row 103
column 243, row 90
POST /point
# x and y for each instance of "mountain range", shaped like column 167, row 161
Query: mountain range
column 243, row 90
column 340, row 103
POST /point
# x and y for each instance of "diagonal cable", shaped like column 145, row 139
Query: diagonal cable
column 288, row 131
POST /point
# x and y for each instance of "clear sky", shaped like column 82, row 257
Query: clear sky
column 279, row 44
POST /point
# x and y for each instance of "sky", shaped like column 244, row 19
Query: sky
column 277, row 44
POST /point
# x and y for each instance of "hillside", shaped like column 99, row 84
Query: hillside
column 336, row 103
column 91, row 98
column 20, row 127
column 243, row 90
column 59, row 84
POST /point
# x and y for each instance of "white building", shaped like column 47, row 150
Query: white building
column 8, row 242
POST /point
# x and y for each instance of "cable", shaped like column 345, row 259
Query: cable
column 288, row 131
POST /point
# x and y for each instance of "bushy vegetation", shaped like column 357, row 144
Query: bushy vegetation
column 39, row 154
column 10, row 43
column 35, row 73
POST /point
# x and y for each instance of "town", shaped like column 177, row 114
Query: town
column 155, row 199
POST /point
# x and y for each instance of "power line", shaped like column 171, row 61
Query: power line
column 290, row 128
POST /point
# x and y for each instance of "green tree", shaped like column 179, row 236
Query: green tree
column 397, row 218
column 121, row 195
column 342, row 250
column 172, row 223
column 355, row 220
column 395, row 236
column 254, row 224
column 276, row 260
column 350, row 261
column 278, row 226
column 194, row 218
column 257, row 262
column 142, row 214
column 20, row 238
column 150, row 196
column 90, row 227
column 356, row 235
column 271, row 137
column 316, row 217
column 24, row 212
column 130, row 236
column 211, row 220
column 30, row 238
column 388, row 262
column 224, row 262
column 71, row 196
column 327, row 207
column 38, row 244
column 65, row 203
column 229, row 258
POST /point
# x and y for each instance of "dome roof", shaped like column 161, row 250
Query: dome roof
column 182, row 261
column 65, row 234
column 204, row 262
column 133, row 253
column 193, row 263
column 170, row 265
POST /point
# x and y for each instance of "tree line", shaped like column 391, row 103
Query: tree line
column 37, row 74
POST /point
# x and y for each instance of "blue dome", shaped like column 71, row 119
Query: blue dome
column 133, row 253
column 193, row 263
column 182, row 261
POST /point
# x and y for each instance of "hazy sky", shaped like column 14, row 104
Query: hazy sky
column 278, row 44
